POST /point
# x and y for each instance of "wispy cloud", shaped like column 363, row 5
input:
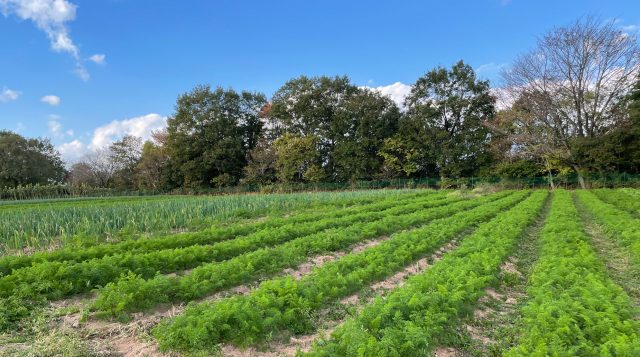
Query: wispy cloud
column 55, row 128
column 20, row 127
column 98, row 59
column 50, row 16
column 490, row 70
column 9, row 95
column 52, row 100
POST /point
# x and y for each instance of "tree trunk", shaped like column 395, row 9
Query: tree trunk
column 551, row 183
column 577, row 169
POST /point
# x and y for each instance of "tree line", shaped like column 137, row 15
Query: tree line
column 569, row 106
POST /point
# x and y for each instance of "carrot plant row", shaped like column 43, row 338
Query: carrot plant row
column 207, row 236
column 54, row 280
column 134, row 293
column 574, row 308
column 289, row 304
column 417, row 317
column 621, row 199
column 619, row 224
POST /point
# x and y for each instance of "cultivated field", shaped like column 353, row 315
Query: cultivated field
column 365, row 273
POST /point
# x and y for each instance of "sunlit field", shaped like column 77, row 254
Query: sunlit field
column 373, row 273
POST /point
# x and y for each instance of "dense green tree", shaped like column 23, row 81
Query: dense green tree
column 447, row 109
column 366, row 120
column 312, row 106
column 400, row 158
column 298, row 158
column 210, row 135
column 28, row 161
column 350, row 123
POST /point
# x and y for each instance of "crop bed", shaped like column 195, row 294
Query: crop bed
column 387, row 273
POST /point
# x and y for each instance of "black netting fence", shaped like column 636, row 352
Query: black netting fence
column 610, row 180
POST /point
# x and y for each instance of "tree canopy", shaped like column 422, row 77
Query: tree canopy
column 28, row 161
column 569, row 106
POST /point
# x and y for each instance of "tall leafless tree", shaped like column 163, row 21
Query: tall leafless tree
column 571, row 87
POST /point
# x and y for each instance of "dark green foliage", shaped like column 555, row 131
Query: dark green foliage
column 210, row 135
column 447, row 110
column 28, row 161
column 347, row 124
column 520, row 168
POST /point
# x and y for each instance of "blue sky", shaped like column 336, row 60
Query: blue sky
column 111, row 67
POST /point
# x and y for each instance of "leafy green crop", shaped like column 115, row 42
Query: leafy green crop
column 619, row 224
column 67, row 278
column 415, row 318
column 39, row 225
column 575, row 309
column 621, row 199
column 286, row 303
column 132, row 293
column 207, row 236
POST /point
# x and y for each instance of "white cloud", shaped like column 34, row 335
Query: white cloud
column 72, row 151
column 55, row 128
column 52, row 100
column 630, row 28
column 397, row 91
column 139, row 126
column 50, row 16
column 8, row 95
column 98, row 58
column 81, row 72
column 103, row 136
column 504, row 99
